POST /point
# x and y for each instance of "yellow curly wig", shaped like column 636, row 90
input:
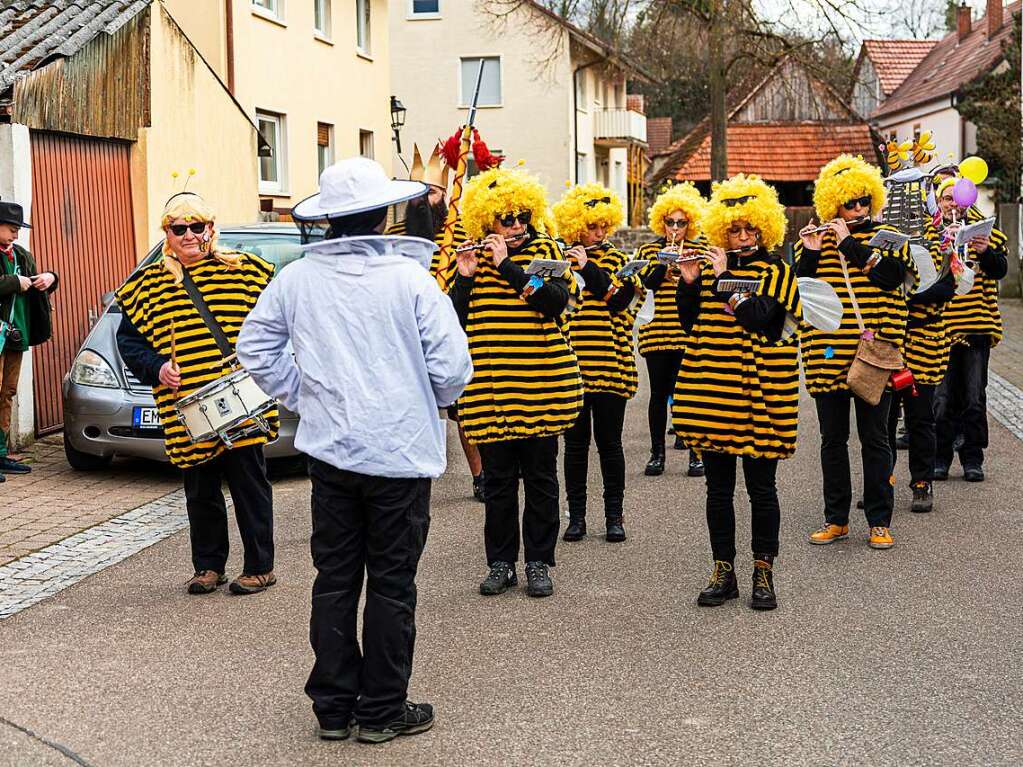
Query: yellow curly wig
column 573, row 215
column 684, row 197
column 846, row 178
column 498, row 191
column 761, row 209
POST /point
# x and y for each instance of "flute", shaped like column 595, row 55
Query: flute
column 826, row 227
column 480, row 244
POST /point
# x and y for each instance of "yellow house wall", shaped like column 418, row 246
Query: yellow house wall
column 195, row 124
column 205, row 23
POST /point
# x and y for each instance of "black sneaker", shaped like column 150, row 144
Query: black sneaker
column 722, row 585
column 501, row 576
column 331, row 731
column 655, row 466
column 696, row 467
column 614, row 530
column 923, row 497
column 477, row 488
column 940, row 472
column 764, row 597
column 415, row 718
column 973, row 474
column 10, row 466
column 538, row 580
column 576, row 529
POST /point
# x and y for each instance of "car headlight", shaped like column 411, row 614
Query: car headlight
column 90, row 369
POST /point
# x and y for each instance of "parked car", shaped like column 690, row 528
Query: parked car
column 108, row 412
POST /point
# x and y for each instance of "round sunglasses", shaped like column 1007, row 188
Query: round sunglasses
column 863, row 202
column 509, row 219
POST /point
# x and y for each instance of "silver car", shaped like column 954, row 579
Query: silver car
column 108, row 412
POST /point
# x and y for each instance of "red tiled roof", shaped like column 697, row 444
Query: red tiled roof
column 951, row 64
column 658, row 133
column 781, row 151
column 894, row 60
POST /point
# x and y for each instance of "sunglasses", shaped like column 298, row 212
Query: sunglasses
column 595, row 203
column 732, row 202
column 863, row 202
column 509, row 219
column 750, row 230
column 676, row 223
column 196, row 227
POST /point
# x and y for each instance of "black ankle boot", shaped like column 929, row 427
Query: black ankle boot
column 576, row 529
column 615, row 530
column 764, row 597
column 696, row 468
column 722, row 585
column 655, row 466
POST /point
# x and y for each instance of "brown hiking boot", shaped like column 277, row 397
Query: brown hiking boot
column 205, row 581
column 252, row 584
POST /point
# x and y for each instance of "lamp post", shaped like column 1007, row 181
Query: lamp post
column 397, row 121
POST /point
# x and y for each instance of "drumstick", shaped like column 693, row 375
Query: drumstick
column 174, row 346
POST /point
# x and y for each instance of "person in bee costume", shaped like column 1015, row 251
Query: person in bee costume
column 737, row 395
column 674, row 218
column 847, row 194
column 600, row 333
column 526, row 389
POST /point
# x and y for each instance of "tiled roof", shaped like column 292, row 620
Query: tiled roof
column 781, row 151
column 894, row 60
column 951, row 64
column 658, row 133
column 34, row 32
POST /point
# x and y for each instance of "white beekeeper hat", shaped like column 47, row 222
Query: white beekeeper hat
column 355, row 185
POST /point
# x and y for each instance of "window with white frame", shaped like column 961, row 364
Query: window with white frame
column 423, row 9
column 324, row 146
column 363, row 11
column 581, row 167
column 366, row 143
column 490, row 85
column 580, row 91
column 273, row 8
column 321, row 17
column 273, row 169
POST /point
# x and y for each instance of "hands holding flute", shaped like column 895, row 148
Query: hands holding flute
column 468, row 260
column 812, row 235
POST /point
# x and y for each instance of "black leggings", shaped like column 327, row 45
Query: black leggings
column 763, row 495
column 662, row 369
column 607, row 412
column 919, row 426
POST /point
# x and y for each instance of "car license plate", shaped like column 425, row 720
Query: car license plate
column 146, row 418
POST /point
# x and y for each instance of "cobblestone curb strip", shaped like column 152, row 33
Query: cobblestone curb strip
column 1005, row 403
column 31, row 579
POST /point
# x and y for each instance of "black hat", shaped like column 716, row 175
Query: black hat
column 12, row 213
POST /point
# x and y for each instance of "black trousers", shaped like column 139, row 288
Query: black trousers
column 662, row 370
column 244, row 468
column 376, row 525
column 876, row 454
column 960, row 406
column 919, row 412
column 759, row 474
column 536, row 461
column 607, row 413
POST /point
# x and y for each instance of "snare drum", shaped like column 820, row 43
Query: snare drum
column 223, row 409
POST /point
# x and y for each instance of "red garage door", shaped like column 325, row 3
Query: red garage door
column 82, row 229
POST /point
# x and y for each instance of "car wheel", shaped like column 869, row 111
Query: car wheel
column 84, row 461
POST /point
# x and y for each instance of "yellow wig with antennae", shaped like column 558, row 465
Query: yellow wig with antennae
column 498, row 191
column 749, row 199
column 584, row 205
column 846, row 178
column 684, row 197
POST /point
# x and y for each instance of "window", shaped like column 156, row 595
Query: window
column 324, row 145
column 321, row 17
column 580, row 91
column 366, row 143
column 424, row 9
column 273, row 8
column 362, row 26
column 472, row 169
column 272, row 169
column 580, row 168
column 490, row 86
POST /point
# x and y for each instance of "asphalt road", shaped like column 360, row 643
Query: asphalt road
column 910, row 656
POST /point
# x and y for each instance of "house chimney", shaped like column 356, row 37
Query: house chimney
column 994, row 17
column 962, row 21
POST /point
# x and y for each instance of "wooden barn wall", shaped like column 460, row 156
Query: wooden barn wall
column 793, row 96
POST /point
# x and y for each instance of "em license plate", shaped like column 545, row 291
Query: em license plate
column 146, row 418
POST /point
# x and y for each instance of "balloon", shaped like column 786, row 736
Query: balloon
column 974, row 169
column 964, row 192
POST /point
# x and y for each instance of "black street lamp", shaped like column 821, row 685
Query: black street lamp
column 397, row 121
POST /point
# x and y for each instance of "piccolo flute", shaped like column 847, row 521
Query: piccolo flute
column 744, row 250
column 480, row 244
column 826, row 227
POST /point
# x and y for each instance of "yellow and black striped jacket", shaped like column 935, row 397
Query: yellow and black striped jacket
column 526, row 380
column 398, row 230
column 600, row 330
column 663, row 333
column 827, row 355
column 153, row 302
column 927, row 344
column 976, row 313
column 738, row 387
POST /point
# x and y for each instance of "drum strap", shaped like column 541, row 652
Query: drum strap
column 207, row 316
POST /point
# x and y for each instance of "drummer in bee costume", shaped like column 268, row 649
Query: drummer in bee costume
column 165, row 342
column 526, row 390
column 738, row 387
column 600, row 333
column 674, row 217
column 848, row 193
